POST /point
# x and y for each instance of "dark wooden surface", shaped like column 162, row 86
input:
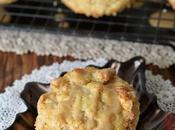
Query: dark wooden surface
column 14, row 66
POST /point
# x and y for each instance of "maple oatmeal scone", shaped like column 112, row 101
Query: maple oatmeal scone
column 6, row 1
column 88, row 99
column 5, row 16
column 98, row 8
column 172, row 3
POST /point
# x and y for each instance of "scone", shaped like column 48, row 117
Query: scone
column 88, row 99
column 98, row 8
column 6, row 1
column 4, row 17
column 172, row 2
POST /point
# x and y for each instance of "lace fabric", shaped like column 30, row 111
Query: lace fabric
column 21, row 42
column 163, row 89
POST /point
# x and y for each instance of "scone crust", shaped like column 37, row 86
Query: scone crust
column 6, row 1
column 98, row 8
column 88, row 99
column 172, row 3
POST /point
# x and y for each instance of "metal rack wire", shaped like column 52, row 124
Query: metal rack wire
column 132, row 24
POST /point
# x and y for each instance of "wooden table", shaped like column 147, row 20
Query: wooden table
column 14, row 66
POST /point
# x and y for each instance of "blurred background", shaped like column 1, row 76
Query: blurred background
column 149, row 21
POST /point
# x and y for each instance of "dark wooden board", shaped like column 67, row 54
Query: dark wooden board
column 13, row 66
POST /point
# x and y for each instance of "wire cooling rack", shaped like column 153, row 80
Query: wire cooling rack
column 132, row 24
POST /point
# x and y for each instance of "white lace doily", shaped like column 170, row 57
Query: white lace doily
column 12, row 104
column 21, row 42
column 163, row 89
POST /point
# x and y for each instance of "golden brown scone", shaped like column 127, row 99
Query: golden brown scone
column 88, row 99
column 98, row 8
column 6, row 1
column 172, row 3
column 4, row 17
column 166, row 21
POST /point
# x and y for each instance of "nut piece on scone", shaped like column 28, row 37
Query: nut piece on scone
column 98, row 8
column 88, row 99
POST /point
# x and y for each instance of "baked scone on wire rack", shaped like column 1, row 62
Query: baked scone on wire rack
column 88, row 99
column 4, row 16
column 98, row 8
column 6, row 1
column 172, row 3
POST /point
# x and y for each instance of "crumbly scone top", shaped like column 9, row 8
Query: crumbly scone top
column 88, row 99
column 97, row 8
